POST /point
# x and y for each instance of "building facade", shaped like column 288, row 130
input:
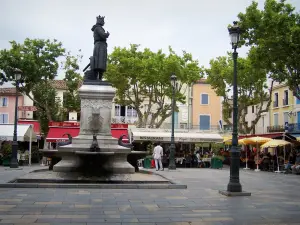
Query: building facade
column 282, row 108
column 206, row 106
column 7, row 105
column 263, row 123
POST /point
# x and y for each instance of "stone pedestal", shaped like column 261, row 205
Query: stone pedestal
column 96, row 105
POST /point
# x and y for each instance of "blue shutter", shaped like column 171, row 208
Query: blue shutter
column 204, row 99
column 5, row 118
column 297, row 101
column 204, row 122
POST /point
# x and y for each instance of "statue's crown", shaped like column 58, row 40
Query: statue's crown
column 100, row 17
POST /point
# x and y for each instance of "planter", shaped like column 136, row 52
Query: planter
column 6, row 162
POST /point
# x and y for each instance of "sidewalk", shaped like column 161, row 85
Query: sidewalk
column 7, row 174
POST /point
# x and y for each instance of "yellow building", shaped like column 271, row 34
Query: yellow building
column 206, row 106
column 281, row 109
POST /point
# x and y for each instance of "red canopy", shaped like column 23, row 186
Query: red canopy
column 116, row 133
column 57, row 133
column 36, row 125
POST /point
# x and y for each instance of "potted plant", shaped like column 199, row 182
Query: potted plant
column 6, row 151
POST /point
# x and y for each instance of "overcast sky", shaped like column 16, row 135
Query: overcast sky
column 196, row 26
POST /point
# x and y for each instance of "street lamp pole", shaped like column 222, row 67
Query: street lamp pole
column 172, row 165
column 234, row 184
column 14, row 160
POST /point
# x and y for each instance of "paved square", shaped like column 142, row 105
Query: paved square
column 275, row 200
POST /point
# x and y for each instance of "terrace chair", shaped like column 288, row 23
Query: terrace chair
column 188, row 161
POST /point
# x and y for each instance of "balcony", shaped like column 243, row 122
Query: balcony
column 278, row 128
column 124, row 119
column 285, row 102
column 275, row 104
column 292, row 127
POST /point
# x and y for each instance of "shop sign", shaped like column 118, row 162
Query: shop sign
column 27, row 108
column 145, row 138
column 119, row 126
column 64, row 124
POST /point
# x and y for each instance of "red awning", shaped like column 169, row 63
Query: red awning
column 36, row 125
column 116, row 133
column 55, row 134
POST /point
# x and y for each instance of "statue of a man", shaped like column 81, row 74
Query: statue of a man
column 99, row 59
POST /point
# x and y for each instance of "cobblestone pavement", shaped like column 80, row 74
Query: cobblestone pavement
column 275, row 200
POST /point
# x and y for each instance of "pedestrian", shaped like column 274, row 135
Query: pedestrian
column 157, row 155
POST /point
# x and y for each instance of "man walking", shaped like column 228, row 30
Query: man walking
column 157, row 155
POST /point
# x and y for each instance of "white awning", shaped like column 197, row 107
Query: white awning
column 188, row 137
column 24, row 131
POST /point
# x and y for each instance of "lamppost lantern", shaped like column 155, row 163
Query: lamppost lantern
column 234, row 33
column 173, row 80
column 18, row 74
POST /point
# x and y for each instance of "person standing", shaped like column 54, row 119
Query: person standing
column 157, row 155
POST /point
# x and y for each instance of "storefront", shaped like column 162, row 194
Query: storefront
column 58, row 130
column 164, row 135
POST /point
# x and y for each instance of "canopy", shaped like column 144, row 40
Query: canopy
column 34, row 123
column 56, row 134
column 256, row 140
column 228, row 140
column 298, row 138
column 275, row 143
column 161, row 135
column 24, row 132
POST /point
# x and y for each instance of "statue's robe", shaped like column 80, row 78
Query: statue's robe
column 99, row 59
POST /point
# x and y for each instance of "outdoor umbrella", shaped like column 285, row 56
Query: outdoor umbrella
column 228, row 141
column 275, row 144
column 258, row 141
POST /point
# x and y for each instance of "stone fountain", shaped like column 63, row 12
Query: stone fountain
column 95, row 148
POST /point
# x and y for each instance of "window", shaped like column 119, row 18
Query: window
column 4, row 101
column 204, row 123
column 117, row 110
column 253, row 109
column 3, row 118
column 204, row 99
column 275, row 103
column 286, row 97
column 285, row 117
column 275, row 119
column 131, row 112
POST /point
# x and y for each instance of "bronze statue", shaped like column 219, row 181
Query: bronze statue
column 98, row 61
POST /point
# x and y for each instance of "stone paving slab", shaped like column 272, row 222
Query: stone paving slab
column 274, row 200
column 63, row 177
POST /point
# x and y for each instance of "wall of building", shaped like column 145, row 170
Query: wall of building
column 263, row 122
column 282, row 109
column 10, row 108
column 213, row 108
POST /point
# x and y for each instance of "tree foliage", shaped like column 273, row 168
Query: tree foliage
column 251, row 89
column 274, row 35
column 73, row 80
column 143, row 77
column 39, row 60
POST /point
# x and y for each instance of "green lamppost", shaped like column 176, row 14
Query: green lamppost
column 234, row 187
column 172, row 165
column 14, row 153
